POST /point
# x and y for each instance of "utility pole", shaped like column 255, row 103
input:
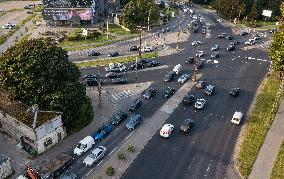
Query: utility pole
column 140, row 40
column 107, row 27
column 149, row 20
column 178, row 36
column 100, row 88
column 136, row 68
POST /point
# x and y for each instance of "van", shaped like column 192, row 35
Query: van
column 237, row 117
column 84, row 145
column 177, row 69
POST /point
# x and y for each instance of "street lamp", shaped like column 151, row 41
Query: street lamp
column 140, row 28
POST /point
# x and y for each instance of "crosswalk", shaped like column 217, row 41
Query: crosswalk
column 122, row 95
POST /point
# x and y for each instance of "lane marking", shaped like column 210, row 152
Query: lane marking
column 191, row 162
column 100, row 163
column 89, row 172
column 129, row 135
column 112, row 151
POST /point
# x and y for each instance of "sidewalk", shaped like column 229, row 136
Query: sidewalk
column 267, row 155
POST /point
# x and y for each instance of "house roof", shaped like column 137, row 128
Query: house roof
column 20, row 112
column 66, row 13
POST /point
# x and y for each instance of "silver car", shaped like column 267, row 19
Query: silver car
column 95, row 156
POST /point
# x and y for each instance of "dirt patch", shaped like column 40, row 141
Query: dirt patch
column 13, row 17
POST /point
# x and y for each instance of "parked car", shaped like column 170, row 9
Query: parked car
column 235, row 42
column 203, row 31
column 97, row 154
column 148, row 49
column 250, row 42
column 113, row 54
column 118, row 117
column 133, row 122
column 111, row 75
column 215, row 48
column 210, row 90
column 166, row 130
column 222, row 35
column 219, row 20
column 133, row 48
column 215, row 54
column 84, row 145
column 169, row 76
column 200, row 84
column 150, row 92
column 30, row 6
column 116, row 67
column 69, row 175
column 237, row 117
column 243, row 33
column 228, row 37
column 8, row 26
column 231, row 47
column 143, row 61
column 94, row 53
column 196, row 43
column 183, row 78
column 102, row 132
column 186, row 125
column 135, row 105
column 119, row 81
column 153, row 63
column 234, row 92
column 138, row 65
column 92, row 80
column 188, row 99
column 169, row 91
column 200, row 54
column 256, row 37
column 190, row 60
column 199, row 64
column 200, row 103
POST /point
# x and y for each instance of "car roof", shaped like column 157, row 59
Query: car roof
column 238, row 114
column 167, row 126
column 98, row 149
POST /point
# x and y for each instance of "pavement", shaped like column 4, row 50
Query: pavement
column 267, row 154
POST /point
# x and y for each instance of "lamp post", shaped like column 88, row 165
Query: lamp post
column 100, row 88
column 140, row 38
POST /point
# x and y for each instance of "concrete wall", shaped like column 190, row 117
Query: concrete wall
column 5, row 168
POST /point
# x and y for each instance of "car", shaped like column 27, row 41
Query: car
column 200, row 54
column 169, row 91
column 93, row 53
column 148, row 49
column 250, row 42
column 118, row 117
column 111, row 75
column 183, row 78
column 102, row 132
column 169, row 76
column 30, row 6
column 244, row 33
column 133, row 48
column 30, row 12
column 199, row 64
column 272, row 31
column 186, row 125
column 150, row 92
column 113, row 54
column 188, row 99
column 223, row 35
column 196, row 43
column 97, row 154
column 9, row 25
column 195, row 30
column 144, row 61
column 119, row 81
column 3, row 10
column 133, row 122
column 189, row 60
column 237, row 117
column 228, row 37
column 200, row 103
column 135, row 105
column 215, row 48
column 200, row 84
column 203, row 31
column 69, row 175
column 231, row 47
column 116, row 67
column 153, row 63
column 210, row 90
column 256, row 37
column 91, row 80
column 166, row 130
column 138, row 65
column 219, row 20
column 234, row 92
column 168, row 29
column 235, row 42
column 215, row 54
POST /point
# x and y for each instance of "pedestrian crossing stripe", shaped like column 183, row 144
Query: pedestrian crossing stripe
column 122, row 95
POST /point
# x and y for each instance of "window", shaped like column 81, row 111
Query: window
column 47, row 142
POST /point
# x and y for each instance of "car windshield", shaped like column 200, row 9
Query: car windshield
column 81, row 146
column 93, row 156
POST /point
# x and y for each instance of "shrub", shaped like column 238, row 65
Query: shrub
column 130, row 148
column 121, row 156
column 110, row 171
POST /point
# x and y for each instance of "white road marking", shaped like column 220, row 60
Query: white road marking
column 89, row 172
column 114, row 97
column 258, row 59
column 99, row 163
column 129, row 135
column 112, row 151
column 208, row 167
column 128, row 92
column 191, row 162
column 264, row 60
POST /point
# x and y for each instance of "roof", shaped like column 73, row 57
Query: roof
column 19, row 111
column 238, row 115
column 66, row 13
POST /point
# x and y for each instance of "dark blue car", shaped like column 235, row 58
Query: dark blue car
column 102, row 132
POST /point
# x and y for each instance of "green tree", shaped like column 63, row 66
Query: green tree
column 136, row 12
column 38, row 72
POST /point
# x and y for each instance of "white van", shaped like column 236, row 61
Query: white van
column 84, row 145
column 177, row 69
column 237, row 117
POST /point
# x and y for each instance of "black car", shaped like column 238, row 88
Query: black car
column 169, row 76
column 150, row 92
column 228, row 37
column 210, row 90
column 190, row 60
column 215, row 54
column 139, row 65
column 169, row 92
column 186, row 125
column 153, row 63
column 113, row 54
column 244, row 33
column 93, row 53
column 143, row 61
column 118, row 117
column 119, row 81
column 133, row 48
column 188, row 99
column 135, row 105
column 231, row 47
column 92, row 80
column 199, row 64
column 111, row 75
column 235, row 92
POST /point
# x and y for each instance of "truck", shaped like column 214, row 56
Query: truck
column 177, row 69
column 49, row 170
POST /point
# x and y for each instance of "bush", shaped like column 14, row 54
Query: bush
column 110, row 171
column 121, row 156
column 130, row 148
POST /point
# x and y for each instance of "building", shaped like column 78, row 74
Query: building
column 5, row 167
column 35, row 129
column 64, row 13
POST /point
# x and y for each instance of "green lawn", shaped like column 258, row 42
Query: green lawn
column 104, row 62
column 258, row 123
column 67, row 43
column 278, row 169
column 115, row 29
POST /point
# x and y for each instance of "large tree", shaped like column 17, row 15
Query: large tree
column 38, row 72
column 137, row 12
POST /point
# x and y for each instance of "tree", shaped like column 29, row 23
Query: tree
column 38, row 72
column 136, row 12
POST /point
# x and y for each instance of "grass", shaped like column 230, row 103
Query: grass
column 115, row 29
column 278, row 169
column 102, row 38
column 104, row 62
column 258, row 124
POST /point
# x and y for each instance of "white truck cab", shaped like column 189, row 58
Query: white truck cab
column 84, row 145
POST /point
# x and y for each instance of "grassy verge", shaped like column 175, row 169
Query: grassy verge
column 104, row 62
column 278, row 169
column 25, row 37
column 4, row 37
column 115, row 29
column 67, row 43
column 258, row 124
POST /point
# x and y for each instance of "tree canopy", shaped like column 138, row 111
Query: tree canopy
column 136, row 12
column 38, row 72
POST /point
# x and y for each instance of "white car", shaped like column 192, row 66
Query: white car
column 183, row 78
column 8, row 26
column 219, row 20
column 237, row 117
column 196, row 43
column 200, row 54
column 166, row 130
column 250, row 42
column 257, row 37
column 148, row 49
column 200, row 103
column 95, row 156
column 215, row 48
